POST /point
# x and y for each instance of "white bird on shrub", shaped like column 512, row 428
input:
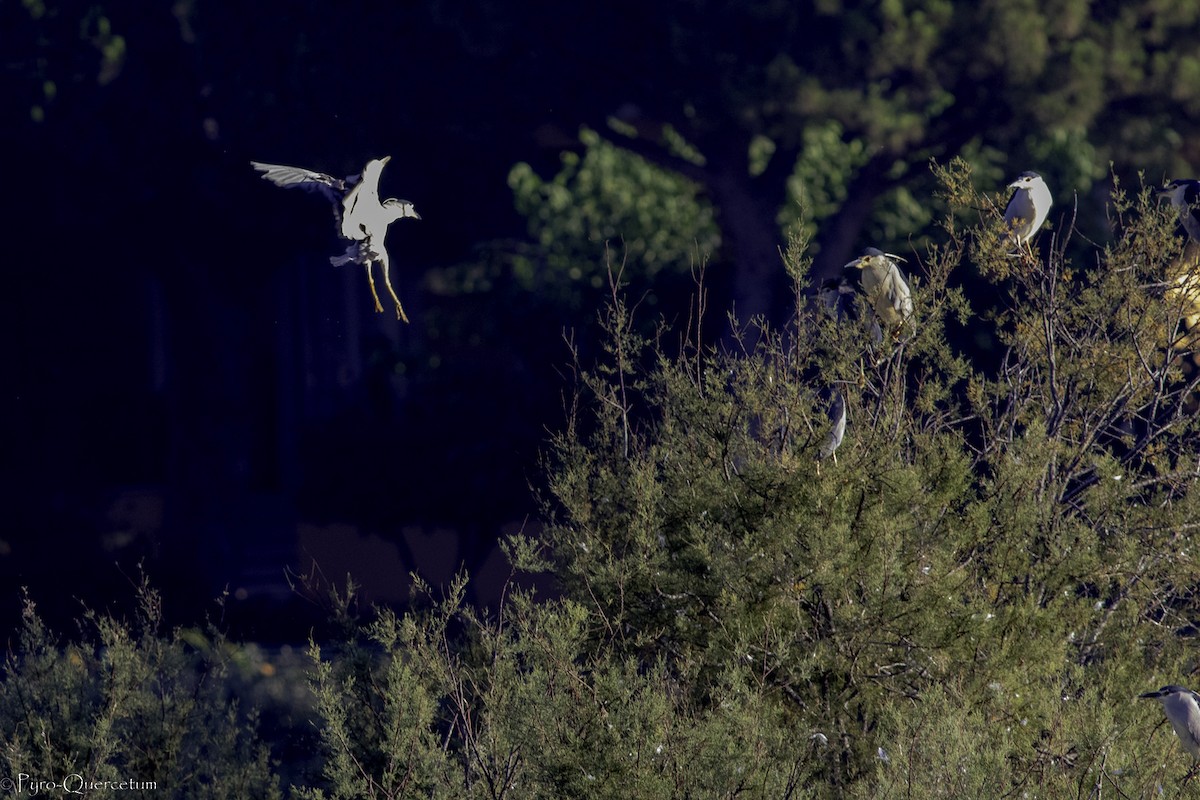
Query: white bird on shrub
column 362, row 218
column 1027, row 208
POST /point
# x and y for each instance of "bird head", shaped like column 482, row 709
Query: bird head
column 873, row 258
column 1177, row 191
column 1165, row 691
column 1026, row 180
column 401, row 208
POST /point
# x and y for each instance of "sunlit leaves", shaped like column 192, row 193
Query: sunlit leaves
column 605, row 199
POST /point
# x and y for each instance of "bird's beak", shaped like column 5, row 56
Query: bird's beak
column 383, row 161
column 857, row 263
column 1150, row 696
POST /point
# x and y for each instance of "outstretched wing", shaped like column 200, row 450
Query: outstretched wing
column 298, row 178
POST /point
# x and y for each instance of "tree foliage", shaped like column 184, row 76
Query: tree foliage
column 850, row 100
column 965, row 603
column 607, row 200
column 125, row 702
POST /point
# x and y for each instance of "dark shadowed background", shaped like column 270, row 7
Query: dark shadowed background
column 190, row 385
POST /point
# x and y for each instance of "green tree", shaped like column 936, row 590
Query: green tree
column 126, row 702
column 966, row 603
column 604, row 205
column 1018, row 538
column 844, row 103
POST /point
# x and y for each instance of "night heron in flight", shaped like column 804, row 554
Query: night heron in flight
column 1182, row 712
column 362, row 218
column 885, row 288
column 1027, row 208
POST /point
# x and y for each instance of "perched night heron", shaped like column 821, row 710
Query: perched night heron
column 1183, row 275
column 837, row 298
column 1182, row 712
column 1184, row 194
column 1027, row 208
column 361, row 217
column 884, row 286
column 837, row 430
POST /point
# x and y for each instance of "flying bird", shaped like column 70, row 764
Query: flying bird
column 884, row 286
column 1027, row 208
column 362, row 218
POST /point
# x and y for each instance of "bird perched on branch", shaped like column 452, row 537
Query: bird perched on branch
column 1183, row 277
column 889, row 296
column 1027, row 208
column 837, row 426
column 1184, row 194
column 884, row 286
column 837, row 298
column 361, row 217
column 1183, row 712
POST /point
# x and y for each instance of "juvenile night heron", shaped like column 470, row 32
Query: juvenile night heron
column 361, row 217
column 1027, row 208
column 1184, row 194
column 884, row 287
column 1182, row 712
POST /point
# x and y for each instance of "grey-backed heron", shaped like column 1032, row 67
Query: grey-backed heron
column 362, row 218
column 1183, row 276
column 1027, row 208
column 1184, row 194
column 837, row 426
column 1183, row 712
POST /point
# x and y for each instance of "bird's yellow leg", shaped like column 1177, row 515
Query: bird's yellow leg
column 371, row 281
column 400, row 315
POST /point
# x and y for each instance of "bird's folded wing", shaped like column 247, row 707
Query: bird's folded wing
column 299, row 178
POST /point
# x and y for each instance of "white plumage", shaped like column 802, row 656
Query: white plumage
column 361, row 217
column 1027, row 208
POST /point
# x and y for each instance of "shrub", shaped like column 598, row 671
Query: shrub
column 127, row 703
